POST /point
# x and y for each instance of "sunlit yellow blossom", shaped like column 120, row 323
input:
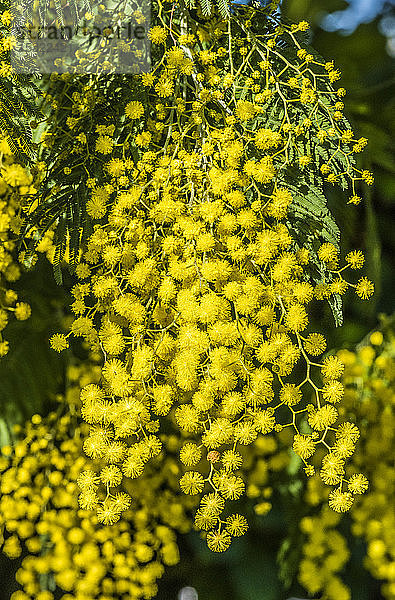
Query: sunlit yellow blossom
column 322, row 417
column 157, row 34
column 303, row 445
column 340, row 501
column 365, row 288
column 59, row 342
column 332, row 367
column 192, row 482
column 190, row 454
column 218, row 541
column 236, row 525
column 134, row 110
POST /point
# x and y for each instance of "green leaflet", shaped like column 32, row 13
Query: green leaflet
column 5, row 433
column 18, row 99
column 309, row 206
column 14, row 125
column 60, row 251
column 19, row 95
column 224, row 9
column 17, row 108
column 206, row 7
column 312, row 224
column 62, row 198
column 310, row 219
column 74, row 8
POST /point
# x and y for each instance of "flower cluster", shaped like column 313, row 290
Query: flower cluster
column 15, row 183
column 369, row 399
column 192, row 336
column 195, row 284
column 65, row 552
column 324, row 555
column 194, row 290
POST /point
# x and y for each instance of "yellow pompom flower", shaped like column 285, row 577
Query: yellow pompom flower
column 212, row 503
column 343, row 448
column 340, row 501
column 205, row 520
column 116, row 167
column 323, row 417
column 376, row 338
column 111, row 476
column 236, row 525
column 315, row 344
column 88, row 480
column 267, row 138
column 22, row 311
column 364, row 288
column 347, row 431
column 104, row 144
column 134, row 110
column 304, row 445
column 231, row 487
column 218, row 541
column 358, row 484
column 231, row 460
column 264, row 421
column 187, row 417
column 190, row 454
column 4, row 348
column 333, row 391
column 88, row 500
column 108, row 513
column 279, row 203
column 96, row 207
column 332, row 368
column 245, row 110
column 290, row 394
column 328, row 253
column 157, row 35
column 132, row 467
column 192, row 483
column 167, row 290
column 59, row 342
column 355, row 259
column 296, row 318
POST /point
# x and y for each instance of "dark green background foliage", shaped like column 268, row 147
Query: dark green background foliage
column 251, row 570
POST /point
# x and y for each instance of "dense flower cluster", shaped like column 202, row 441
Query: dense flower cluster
column 324, row 555
column 209, row 247
column 65, row 552
column 370, row 397
column 15, row 183
column 369, row 380
column 193, row 285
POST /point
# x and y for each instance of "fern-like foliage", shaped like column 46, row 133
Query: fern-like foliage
column 45, row 12
column 65, row 188
column 18, row 92
column 17, row 105
column 309, row 217
column 85, row 104
column 206, row 7
column 226, row 7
